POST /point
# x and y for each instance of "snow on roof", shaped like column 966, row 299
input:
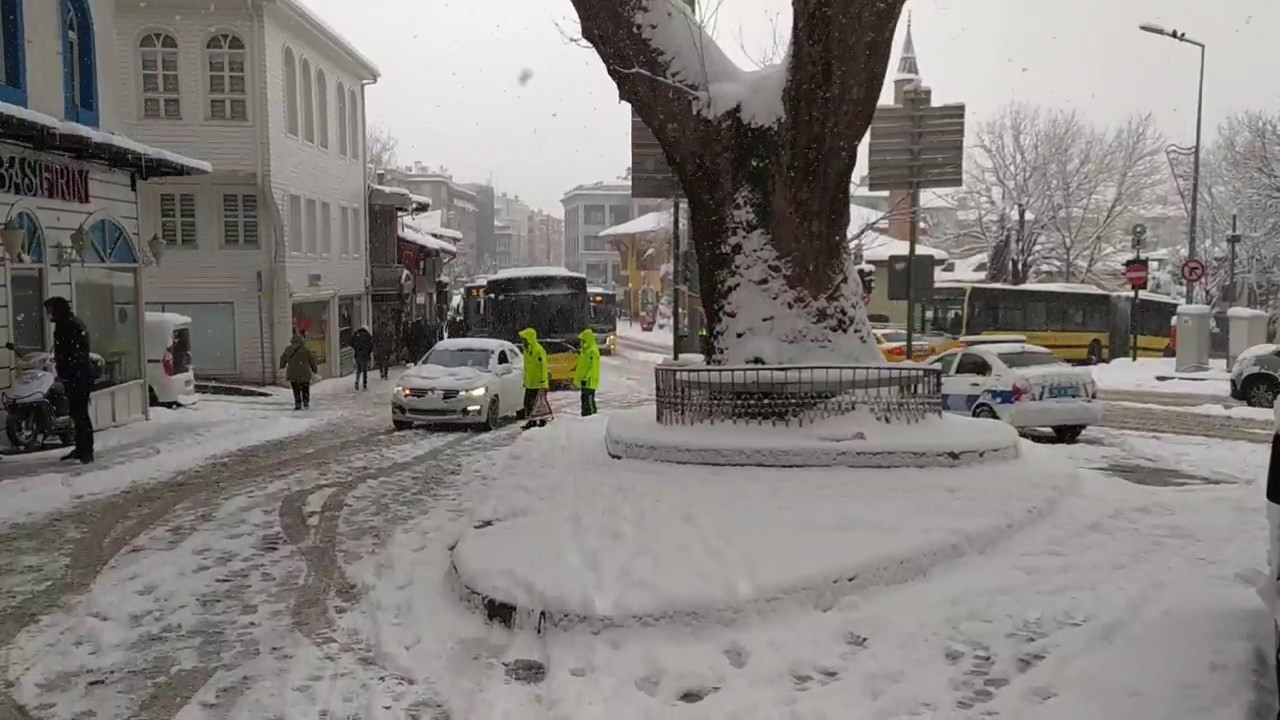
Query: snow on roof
column 420, row 199
column 104, row 138
column 696, row 59
column 863, row 219
column 430, row 223
column 1193, row 310
column 545, row 270
column 972, row 269
column 653, row 222
column 392, row 190
column 168, row 317
column 326, row 31
column 877, row 247
column 409, row 233
column 1009, row 348
column 1244, row 312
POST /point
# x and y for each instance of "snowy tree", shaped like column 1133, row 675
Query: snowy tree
column 380, row 148
column 764, row 157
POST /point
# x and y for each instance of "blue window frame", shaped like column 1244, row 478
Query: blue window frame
column 33, row 247
column 13, row 60
column 79, row 65
column 110, row 244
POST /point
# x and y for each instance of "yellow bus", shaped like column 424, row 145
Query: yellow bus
column 1079, row 323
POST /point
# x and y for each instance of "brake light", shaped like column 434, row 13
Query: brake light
column 897, row 351
column 1021, row 391
column 167, row 361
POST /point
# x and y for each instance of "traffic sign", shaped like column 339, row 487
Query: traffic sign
column 1136, row 274
column 1193, row 270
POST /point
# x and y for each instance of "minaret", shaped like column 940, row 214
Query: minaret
column 906, row 85
column 908, row 68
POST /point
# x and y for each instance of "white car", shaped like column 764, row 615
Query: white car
column 469, row 381
column 1021, row 384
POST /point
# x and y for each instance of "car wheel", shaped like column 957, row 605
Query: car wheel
column 401, row 424
column 492, row 416
column 985, row 412
column 1260, row 391
column 1068, row 434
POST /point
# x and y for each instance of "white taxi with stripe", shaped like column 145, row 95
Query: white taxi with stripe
column 1024, row 385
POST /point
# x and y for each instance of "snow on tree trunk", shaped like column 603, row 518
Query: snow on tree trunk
column 764, row 158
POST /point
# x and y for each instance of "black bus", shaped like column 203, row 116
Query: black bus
column 552, row 301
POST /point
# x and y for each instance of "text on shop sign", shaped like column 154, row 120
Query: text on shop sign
column 34, row 177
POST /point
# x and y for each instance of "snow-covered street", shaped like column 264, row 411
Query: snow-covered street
column 307, row 575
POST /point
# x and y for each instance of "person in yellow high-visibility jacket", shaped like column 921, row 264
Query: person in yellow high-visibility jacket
column 586, row 376
column 537, row 375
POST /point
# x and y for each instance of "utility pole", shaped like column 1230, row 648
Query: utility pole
column 1233, row 239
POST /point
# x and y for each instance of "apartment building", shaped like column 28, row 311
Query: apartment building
column 273, row 241
column 588, row 211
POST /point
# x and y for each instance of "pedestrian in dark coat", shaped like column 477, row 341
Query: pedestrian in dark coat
column 299, row 365
column 76, row 371
column 415, row 338
column 384, row 349
column 362, row 345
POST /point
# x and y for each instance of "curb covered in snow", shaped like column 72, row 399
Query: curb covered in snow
column 948, row 441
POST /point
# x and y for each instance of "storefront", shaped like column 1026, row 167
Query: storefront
column 68, row 212
column 311, row 321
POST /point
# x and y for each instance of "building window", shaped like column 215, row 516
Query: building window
column 104, row 301
column 309, row 227
column 290, row 93
column 295, row 224
column 178, row 218
column 33, row 238
column 356, row 232
column 341, row 94
column 240, row 219
column 79, row 66
column 353, row 122
column 109, row 244
column 619, row 214
column 322, row 109
column 597, row 272
column 308, row 102
column 13, row 72
column 158, row 58
column 26, row 288
column 344, row 231
column 594, row 243
column 228, row 90
column 326, row 229
column 593, row 215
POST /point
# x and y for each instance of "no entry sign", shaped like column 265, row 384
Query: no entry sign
column 1193, row 270
column 1135, row 273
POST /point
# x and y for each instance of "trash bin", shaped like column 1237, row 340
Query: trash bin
column 1246, row 327
column 1192, row 352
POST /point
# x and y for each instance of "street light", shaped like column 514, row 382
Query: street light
column 1155, row 29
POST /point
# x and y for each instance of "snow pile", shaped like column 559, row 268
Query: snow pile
column 1160, row 375
column 658, row 221
column 564, row 528
column 765, row 320
column 696, row 60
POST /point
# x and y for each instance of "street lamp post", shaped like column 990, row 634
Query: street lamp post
column 1155, row 29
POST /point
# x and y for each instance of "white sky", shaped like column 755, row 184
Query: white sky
column 450, row 89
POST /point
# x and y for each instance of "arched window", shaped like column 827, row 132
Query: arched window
column 290, row 92
column 79, row 65
column 353, row 121
column 341, row 94
column 109, row 243
column 33, row 234
column 13, row 54
column 322, row 109
column 158, row 59
column 308, row 102
column 225, row 58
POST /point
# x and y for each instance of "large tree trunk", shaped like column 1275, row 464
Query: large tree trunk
column 765, row 159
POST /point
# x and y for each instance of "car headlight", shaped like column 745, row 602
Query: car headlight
column 473, row 392
column 400, row 391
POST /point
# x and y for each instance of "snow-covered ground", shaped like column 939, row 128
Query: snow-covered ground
column 660, row 337
column 1159, row 375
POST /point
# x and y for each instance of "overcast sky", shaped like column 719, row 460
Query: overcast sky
column 450, row 87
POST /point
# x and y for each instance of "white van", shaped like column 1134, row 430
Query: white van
column 170, row 374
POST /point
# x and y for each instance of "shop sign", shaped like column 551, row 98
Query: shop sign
column 36, row 177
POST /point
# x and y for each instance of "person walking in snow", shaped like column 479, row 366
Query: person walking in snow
column 537, row 377
column 76, row 370
column 299, row 365
column 586, row 376
column 362, row 346
column 384, row 349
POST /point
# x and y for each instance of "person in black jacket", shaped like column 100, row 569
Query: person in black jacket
column 362, row 345
column 75, row 370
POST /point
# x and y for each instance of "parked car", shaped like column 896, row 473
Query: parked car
column 1255, row 376
column 892, row 343
column 1024, row 385
column 171, row 376
column 468, row 381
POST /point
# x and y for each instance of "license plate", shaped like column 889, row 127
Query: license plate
column 1063, row 392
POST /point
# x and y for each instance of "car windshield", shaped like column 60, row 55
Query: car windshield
column 1029, row 359
column 458, row 357
column 893, row 336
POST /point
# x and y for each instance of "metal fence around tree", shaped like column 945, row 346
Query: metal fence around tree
column 796, row 394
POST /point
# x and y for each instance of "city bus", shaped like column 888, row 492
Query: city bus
column 1156, row 314
column 473, row 307
column 1074, row 321
column 603, row 311
column 552, row 301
